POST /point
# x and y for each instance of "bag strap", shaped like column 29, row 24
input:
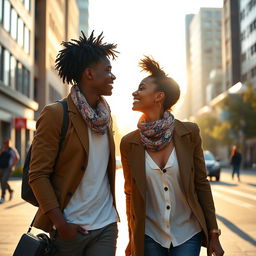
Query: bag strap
column 64, row 129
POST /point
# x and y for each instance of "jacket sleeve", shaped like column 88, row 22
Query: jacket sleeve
column 44, row 151
column 127, row 182
column 202, row 185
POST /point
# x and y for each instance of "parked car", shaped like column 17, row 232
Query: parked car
column 212, row 165
column 118, row 162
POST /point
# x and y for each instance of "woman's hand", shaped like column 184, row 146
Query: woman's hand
column 214, row 247
column 69, row 230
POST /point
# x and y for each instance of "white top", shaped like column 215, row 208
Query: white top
column 169, row 219
column 91, row 206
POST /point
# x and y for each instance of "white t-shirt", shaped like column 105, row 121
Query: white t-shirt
column 91, row 206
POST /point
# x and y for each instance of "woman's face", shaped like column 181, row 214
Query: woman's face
column 144, row 99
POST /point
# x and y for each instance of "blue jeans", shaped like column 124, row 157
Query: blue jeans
column 189, row 248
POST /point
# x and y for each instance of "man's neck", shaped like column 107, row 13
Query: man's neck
column 91, row 98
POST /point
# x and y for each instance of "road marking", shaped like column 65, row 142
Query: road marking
column 235, row 192
column 232, row 200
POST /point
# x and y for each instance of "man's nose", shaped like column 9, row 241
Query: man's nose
column 113, row 76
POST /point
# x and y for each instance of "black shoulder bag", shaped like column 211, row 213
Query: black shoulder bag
column 41, row 244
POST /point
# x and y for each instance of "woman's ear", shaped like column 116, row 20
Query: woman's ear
column 159, row 97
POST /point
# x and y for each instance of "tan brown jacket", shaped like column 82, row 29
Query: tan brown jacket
column 195, row 185
column 71, row 164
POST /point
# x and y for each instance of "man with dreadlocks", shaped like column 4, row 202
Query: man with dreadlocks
column 77, row 204
column 169, row 204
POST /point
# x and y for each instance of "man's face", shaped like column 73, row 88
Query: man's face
column 102, row 77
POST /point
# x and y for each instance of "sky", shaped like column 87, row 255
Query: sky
column 143, row 27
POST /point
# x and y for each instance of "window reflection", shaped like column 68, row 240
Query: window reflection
column 26, row 40
column 7, row 12
column 14, row 20
column 12, row 72
column 6, row 68
column 20, row 31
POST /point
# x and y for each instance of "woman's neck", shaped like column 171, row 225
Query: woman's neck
column 153, row 116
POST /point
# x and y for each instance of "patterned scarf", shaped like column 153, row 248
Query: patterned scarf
column 156, row 135
column 97, row 119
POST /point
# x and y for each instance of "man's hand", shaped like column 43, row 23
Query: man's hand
column 214, row 247
column 67, row 231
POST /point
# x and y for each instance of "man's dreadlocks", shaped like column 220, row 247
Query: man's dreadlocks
column 80, row 54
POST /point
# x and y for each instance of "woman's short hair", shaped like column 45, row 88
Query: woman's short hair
column 77, row 55
column 164, row 83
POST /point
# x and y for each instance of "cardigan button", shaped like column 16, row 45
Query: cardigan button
column 164, row 170
column 168, row 207
column 166, row 189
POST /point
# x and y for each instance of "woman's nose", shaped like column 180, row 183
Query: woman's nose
column 135, row 93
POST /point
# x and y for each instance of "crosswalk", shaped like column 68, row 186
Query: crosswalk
column 242, row 195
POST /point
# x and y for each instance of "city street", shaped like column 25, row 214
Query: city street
column 235, row 207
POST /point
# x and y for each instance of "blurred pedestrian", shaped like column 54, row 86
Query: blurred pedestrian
column 169, row 203
column 235, row 161
column 78, row 207
column 9, row 156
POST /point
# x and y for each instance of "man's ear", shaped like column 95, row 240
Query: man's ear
column 88, row 74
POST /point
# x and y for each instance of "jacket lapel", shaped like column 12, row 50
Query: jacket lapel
column 79, row 124
column 184, row 152
column 137, row 160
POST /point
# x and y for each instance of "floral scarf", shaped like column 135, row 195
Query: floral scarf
column 156, row 135
column 97, row 119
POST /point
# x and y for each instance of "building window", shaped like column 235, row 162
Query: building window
column 1, row 62
column 26, row 40
column 6, row 74
column 12, row 72
column 253, row 49
column 243, row 56
column 14, row 21
column 244, row 77
column 7, row 14
column 18, row 77
column 53, row 94
column 20, row 32
column 1, row 11
column 27, row 4
column 253, row 71
column 25, row 82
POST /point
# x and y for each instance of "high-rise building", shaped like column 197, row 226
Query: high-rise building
column 56, row 21
column 83, row 6
column 204, row 54
column 17, row 103
column 231, row 67
column 248, row 41
column 186, row 106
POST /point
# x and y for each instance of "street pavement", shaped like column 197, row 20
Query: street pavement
column 234, row 202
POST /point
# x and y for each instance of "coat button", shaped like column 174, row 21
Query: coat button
column 168, row 207
column 164, row 170
column 70, row 194
column 166, row 189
